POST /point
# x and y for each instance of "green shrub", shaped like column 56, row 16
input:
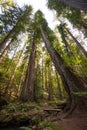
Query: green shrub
column 45, row 125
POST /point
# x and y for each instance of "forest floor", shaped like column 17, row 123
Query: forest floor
column 17, row 114
column 77, row 122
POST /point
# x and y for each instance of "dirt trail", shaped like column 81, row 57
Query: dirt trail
column 73, row 123
column 76, row 121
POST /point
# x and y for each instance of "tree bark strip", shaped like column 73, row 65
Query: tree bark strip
column 5, row 40
column 59, row 87
column 79, row 4
column 28, row 87
column 9, row 85
column 72, row 82
column 6, row 50
column 77, row 43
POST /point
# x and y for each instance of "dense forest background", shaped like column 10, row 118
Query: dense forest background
column 38, row 64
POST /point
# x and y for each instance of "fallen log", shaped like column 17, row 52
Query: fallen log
column 52, row 110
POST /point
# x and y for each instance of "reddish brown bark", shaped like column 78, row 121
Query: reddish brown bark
column 80, row 4
column 72, row 83
column 59, row 87
column 5, row 40
column 6, row 50
column 77, row 43
column 27, row 93
column 9, row 85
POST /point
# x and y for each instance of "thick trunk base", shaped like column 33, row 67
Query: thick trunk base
column 79, row 105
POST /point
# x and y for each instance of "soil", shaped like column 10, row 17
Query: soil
column 77, row 121
column 74, row 123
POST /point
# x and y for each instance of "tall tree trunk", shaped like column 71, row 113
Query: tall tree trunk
column 6, row 50
column 10, row 34
column 5, row 40
column 72, row 82
column 45, row 79
column 80, row 4
column 54, row 58
column 22, row 79
column 59, row 87
column 12, row 59
column 50, row 83
column 42, row 73
column 77, row 43
column 9, row 85
column 28, row 87
column 63, row 36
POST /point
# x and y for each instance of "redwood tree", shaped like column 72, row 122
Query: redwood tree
column 28, row 86
column 17, row 18
column 73, row 84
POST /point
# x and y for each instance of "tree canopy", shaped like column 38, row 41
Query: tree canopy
column 40, row 64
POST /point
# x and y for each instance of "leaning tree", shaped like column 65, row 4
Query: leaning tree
column 73, row 84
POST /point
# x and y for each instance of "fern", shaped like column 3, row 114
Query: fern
column 48, row 126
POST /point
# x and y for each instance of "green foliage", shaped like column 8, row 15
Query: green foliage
column 3, row 74
column 39, row 19
column 58, row 6
column 80, row 93
column 45, row 82
column 25, row 128
column 45, row 125
column 15, row 18
column 7, row 3
column 20, row 107
column 75, row 16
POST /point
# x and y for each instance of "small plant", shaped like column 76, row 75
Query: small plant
column 45, row 125
column 25, row 128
